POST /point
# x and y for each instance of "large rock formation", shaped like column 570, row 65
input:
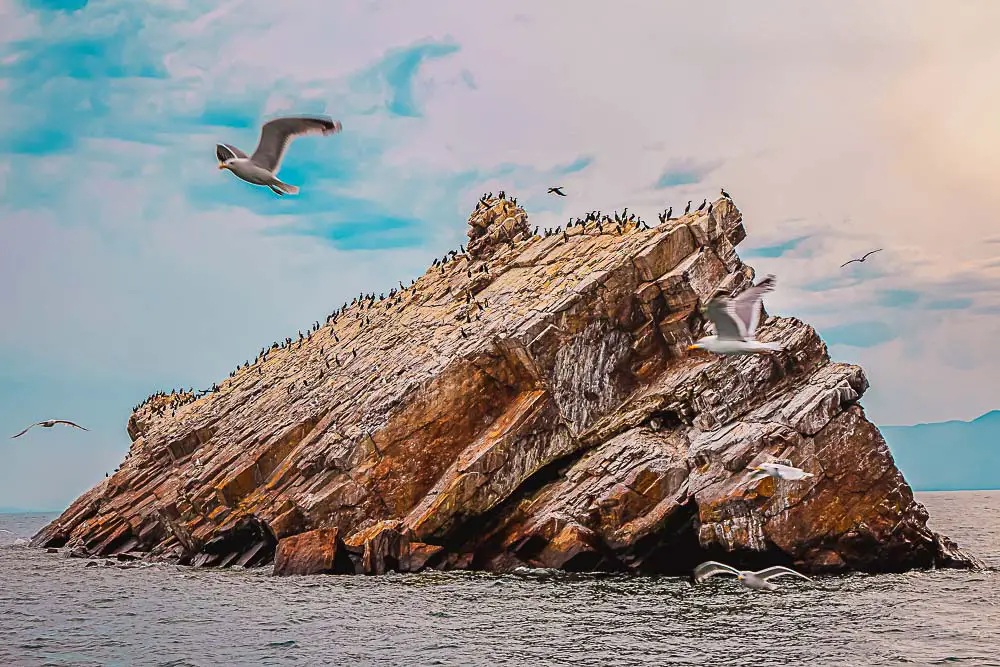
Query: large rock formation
column 531, row 402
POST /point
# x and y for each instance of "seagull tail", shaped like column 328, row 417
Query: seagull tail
column 286, row 188
column 774, row 347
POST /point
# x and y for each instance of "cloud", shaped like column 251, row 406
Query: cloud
column 771, row 251
column 949, row 304
column 685, row 172
column 859, row 334
column 393, row 77
column 897, row 298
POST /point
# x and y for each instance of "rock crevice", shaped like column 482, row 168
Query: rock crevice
column 530, row 402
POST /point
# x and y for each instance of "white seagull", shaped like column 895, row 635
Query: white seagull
column 49, row 423
column 759, row 580
column 735, row 321
column 261, row 168
column 778, row 471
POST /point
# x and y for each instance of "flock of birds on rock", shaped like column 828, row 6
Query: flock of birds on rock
column 735, row 318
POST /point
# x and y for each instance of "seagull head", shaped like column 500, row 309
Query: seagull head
column 703, row 343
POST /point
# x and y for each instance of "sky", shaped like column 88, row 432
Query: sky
column 129, row 263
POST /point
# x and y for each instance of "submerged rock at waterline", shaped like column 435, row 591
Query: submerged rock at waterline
column 531, row 403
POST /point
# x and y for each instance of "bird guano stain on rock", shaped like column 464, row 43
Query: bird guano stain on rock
column 530, row 402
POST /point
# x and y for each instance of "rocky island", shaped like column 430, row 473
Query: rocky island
column 529, row 402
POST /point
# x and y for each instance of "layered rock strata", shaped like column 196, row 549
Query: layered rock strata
column 528, row 403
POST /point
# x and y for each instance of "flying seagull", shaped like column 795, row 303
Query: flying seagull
column 862, row 259
column 49, row 423
column 778, row 471
column 736, row 322
column 557, row 190
column 759, row 580
column 261, row 168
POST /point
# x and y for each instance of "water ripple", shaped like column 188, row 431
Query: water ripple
column 59, row 612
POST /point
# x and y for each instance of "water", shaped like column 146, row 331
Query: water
column 59, row 611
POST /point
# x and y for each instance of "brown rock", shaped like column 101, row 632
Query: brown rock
column 531, row 402
column 315, row 552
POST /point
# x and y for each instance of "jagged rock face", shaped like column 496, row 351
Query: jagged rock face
column 529, row 403
column 496, row 222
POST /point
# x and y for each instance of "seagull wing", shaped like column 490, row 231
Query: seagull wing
column 727, row 325
column 848, row 262
column 756, row 476
column 26, row 430
column 779, row 571
column 711, row 568
column 786, row 469
column 228, row 152
column 64, row 421
column 745, row 307
column 870, row 253
column 276, row 135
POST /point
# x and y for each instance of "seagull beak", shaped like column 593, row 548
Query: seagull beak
column 222, row 166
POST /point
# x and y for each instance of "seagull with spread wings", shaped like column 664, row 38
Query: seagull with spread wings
column 735, row 321
column 758, row 581
column 261, row 168
column 778, row 471
column 49, row 423
column 872, row 252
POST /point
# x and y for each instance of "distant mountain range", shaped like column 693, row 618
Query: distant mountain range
column 948, row 456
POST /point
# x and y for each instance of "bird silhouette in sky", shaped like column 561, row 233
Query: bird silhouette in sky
column 872, row 252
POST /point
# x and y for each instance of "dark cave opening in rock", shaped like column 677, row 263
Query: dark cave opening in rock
column 463, row 539
column 663, row 420
column 57, row 541
column 248, row 544
column 675, row 550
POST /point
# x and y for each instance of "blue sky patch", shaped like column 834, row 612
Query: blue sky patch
column 774, row 251
column 859, row 334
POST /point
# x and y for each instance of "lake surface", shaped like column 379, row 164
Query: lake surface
column 58, row 611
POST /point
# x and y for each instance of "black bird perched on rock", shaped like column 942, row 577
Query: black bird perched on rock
column 557, row 191
column 703, row 202
column 687, row 209
column 725, row 194
column 670, row 212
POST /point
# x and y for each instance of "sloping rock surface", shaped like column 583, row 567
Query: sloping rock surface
column 529, row 403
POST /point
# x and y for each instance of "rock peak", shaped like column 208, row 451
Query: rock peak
column 496, row 222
